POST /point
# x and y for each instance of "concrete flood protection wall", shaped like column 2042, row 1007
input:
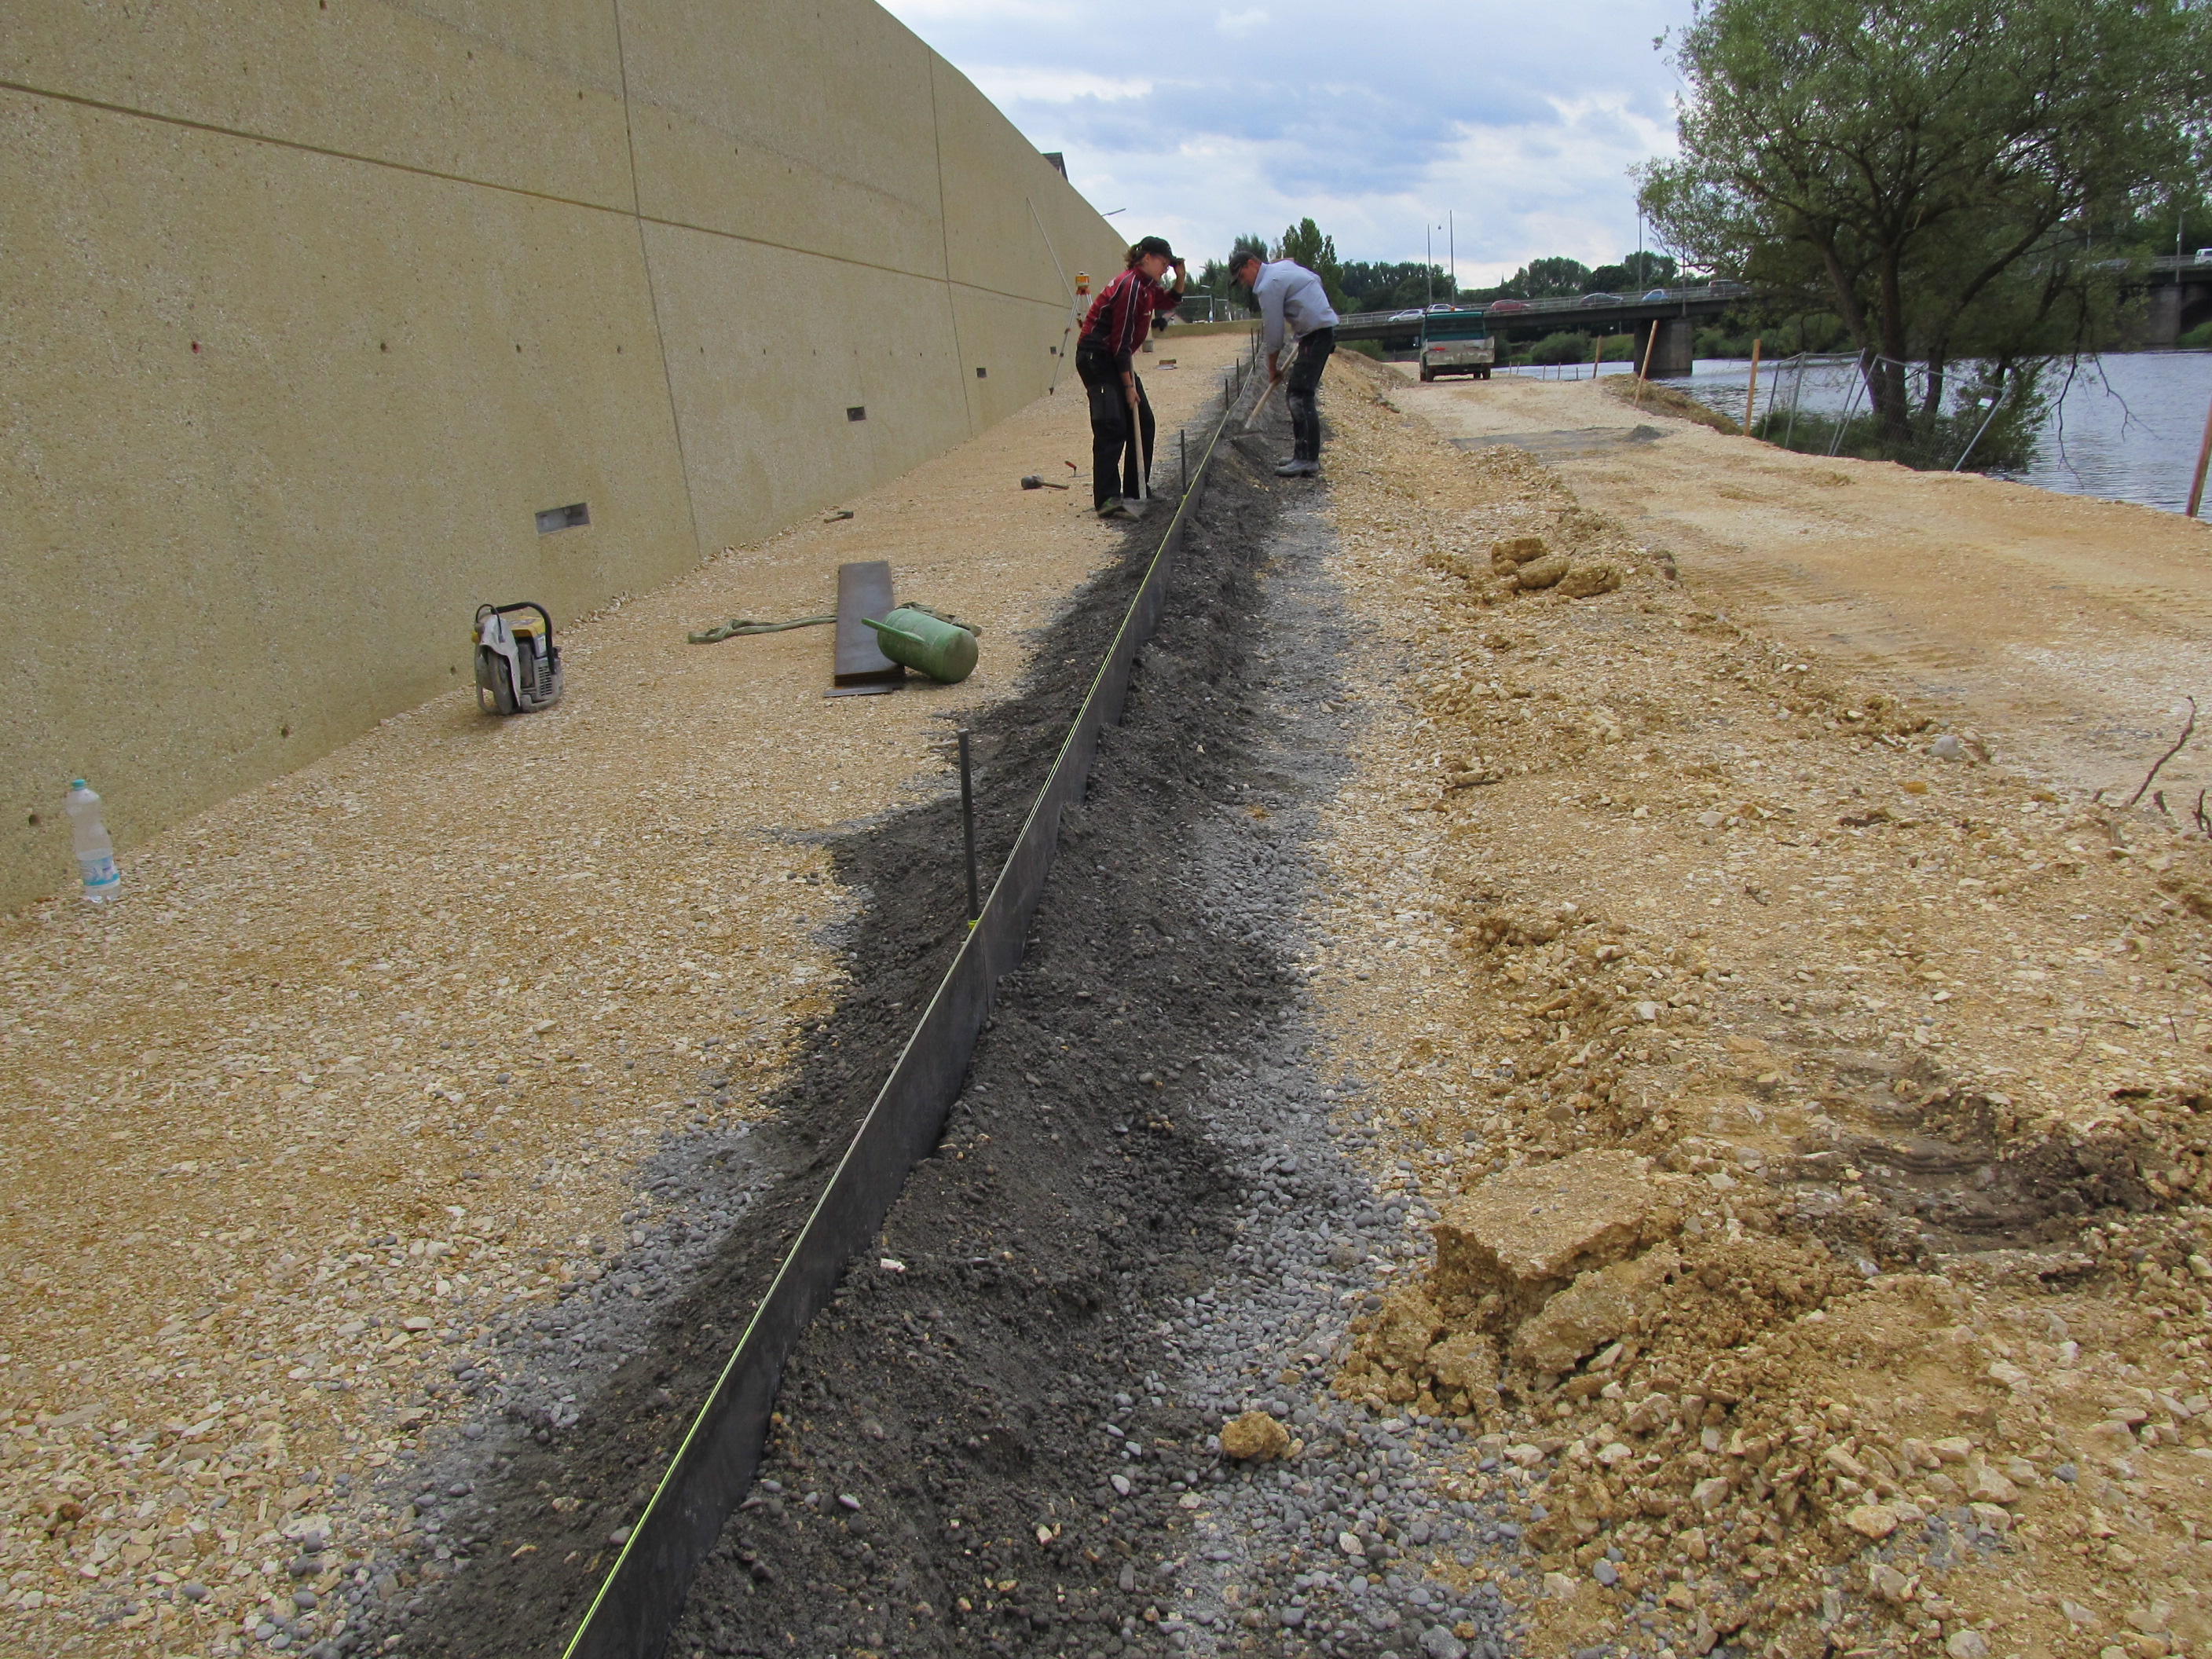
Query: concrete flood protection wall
column 312, row 307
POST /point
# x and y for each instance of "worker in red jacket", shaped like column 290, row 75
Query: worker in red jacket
column 1118, row 323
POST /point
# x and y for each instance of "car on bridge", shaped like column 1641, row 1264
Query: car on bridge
column 1655, row 293
column 1602, row 299
column 1413, row 315
column 1506, row 307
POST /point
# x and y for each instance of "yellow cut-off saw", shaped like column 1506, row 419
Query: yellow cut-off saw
column 518, row 665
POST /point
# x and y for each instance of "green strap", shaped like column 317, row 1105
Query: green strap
column 738, row 626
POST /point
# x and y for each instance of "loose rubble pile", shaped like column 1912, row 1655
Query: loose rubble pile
column 1814, row 1112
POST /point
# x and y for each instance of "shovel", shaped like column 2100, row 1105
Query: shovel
column 1260, row 407
column 1258, row 410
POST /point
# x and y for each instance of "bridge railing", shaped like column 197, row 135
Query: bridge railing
column 2194, row 264
column 1200, row 306
column 1704, row 293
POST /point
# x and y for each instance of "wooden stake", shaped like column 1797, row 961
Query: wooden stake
column 1597, row 353
column 1751, row 396
column 2203, row 455
column 1137, row 446
column 1644, row 375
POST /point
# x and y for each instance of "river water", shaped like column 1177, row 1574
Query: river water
column 2126, row 428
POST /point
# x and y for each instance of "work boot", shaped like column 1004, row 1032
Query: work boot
column 1294, row 468
column 1114, row 507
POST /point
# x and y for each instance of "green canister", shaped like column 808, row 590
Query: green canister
column 929, row 645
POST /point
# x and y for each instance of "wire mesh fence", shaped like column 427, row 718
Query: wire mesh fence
column 1964, row 418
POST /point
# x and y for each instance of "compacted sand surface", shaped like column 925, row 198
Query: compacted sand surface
column 2065, row 627
column 1806, row 1069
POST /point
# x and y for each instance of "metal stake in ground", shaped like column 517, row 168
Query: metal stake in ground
column 967, row 827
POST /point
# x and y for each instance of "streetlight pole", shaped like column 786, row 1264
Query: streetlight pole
column 1451, row 245
column 1428, row 264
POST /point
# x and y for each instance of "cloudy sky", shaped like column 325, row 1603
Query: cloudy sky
column 1202, row 121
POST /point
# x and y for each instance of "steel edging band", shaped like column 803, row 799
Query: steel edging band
column 637, row 1603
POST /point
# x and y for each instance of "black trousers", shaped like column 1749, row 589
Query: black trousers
column 1299, row 387
column 1115, row 463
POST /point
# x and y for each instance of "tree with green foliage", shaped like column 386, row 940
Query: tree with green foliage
column 1560, row 277
column 1557, row 277
column 1572, row 347
column 1303, row 244
column 1393, row 286
column 1637, row 273
column 1933, row 172
column 1214, row 278
column 2179, row 221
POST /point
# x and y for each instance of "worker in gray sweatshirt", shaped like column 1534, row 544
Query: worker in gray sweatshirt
column 1293, row 301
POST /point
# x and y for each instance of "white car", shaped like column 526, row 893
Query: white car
column 1412, row 316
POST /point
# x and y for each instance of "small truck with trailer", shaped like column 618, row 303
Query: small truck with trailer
column 1457, row 343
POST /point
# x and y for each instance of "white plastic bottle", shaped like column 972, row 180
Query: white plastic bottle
column 95, row 852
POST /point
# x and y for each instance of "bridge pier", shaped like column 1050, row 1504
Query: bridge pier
column 2177, row 296
column 2162, row 323
column 1676, row 354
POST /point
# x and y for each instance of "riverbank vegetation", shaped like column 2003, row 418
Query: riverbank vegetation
column 1950, row 180
column 1988, row 427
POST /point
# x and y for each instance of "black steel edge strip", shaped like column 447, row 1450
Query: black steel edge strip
column 636, row 1605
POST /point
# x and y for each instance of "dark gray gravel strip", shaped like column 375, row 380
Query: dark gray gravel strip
column 1271, row 1564
column 579, row 1403
column 1142, row 1221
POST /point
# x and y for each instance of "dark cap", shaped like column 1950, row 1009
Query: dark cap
column 1236, row 259
column 1157, row 245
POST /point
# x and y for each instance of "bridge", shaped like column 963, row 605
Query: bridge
column 1675, row 312
column 2177, row 292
